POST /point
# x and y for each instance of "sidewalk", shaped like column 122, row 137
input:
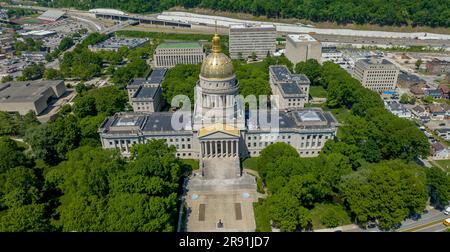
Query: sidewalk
column 345, row 228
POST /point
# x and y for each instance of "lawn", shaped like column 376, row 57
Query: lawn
column 444, row 163
column 250, row 163
column 340, row 113
column 317, row 91
column 326, row 212
column 192, row 163
column 262, row 218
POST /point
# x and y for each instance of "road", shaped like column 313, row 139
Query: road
column 430, row 222
column 292, row 28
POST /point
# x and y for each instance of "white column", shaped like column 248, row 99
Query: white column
column 226, row 148
column 215, row 148
column 202, row 149
column 209, row 149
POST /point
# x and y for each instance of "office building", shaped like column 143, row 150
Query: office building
column 245, row 39
column 25, row 96
column 376, row 74
column 171, row 54
column 292, row 90
column 302, row 47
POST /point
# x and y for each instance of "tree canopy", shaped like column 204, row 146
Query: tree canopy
column 422, row 12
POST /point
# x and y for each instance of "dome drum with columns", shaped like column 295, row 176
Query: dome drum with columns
column 216, row 90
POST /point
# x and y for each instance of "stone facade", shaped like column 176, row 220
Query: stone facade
column 292, row 90
column 25, row 96
column 302, row 47
column 376, row 74
column 219, row 134
column 171, row 54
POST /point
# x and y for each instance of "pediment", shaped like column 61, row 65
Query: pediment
column 218, row 135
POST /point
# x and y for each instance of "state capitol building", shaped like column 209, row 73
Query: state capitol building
column 220, row 134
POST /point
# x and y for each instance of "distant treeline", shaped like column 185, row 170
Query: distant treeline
column 434, row 13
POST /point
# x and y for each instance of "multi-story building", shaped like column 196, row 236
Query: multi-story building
column 170, row 54
column 436, row 66
column 331, row 53
column 376, row 74
column 291, row 90
column 218, row 134
column 145, row 94
column 25, row 96
column 302, row 47
column 217, row 71
column 114, row 43
column 246, row 39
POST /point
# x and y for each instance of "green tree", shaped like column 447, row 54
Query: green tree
column 7, row 78
column 137, row 212
column 32, row 72
column 312, row 69
column 52, row 74
column 21, row 187
column 29, row 218
column 386, row 192
column 89, row 126
column 418, row 63
column 83, row 181
column 439, row 183
column 11, row 155
column 85, row 106
column 330, row 215
column 65, row 44
column 286, row 212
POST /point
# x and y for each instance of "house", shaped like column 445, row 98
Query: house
column 444, row 133
column 436, row 147
column 439, row 152
column 419, row 111
column 437, row 66
column 445, row 90
column 434, row 93
column 397, row 109
column 406, row 80
column 418, row 89
column 437, row 111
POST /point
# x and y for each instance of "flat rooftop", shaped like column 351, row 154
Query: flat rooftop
column 179, row 45
column 301, row 38
column 157, row 75
column 302, row 118
column 145, row 92
column 244, row 26
column 52, row 15
column 282, row 74
column 117, row 42
column 290, row 88
column 24, row 91
column 127, row 122
column 377, row 61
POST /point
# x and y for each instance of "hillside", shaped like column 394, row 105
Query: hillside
column 433, row 13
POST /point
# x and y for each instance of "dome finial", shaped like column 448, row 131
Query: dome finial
column 216, row 42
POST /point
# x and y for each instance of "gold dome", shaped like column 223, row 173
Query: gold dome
column 217, row 65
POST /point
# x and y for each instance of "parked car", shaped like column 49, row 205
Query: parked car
column 371, row 224
column 447, row 210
